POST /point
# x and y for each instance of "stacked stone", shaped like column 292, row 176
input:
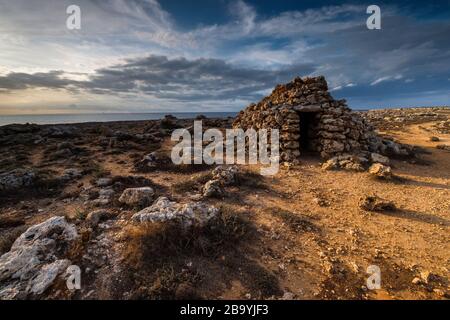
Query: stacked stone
column 334, row 129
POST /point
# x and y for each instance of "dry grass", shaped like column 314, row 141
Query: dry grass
column 146, row 240
column 95, row 169
column 170, row 284
column 157, row 252
column 194, row 183
column 249, row 179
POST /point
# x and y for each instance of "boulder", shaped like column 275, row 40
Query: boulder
column 16, row 179
column 212, row 188
column 225, row 174
column 331, row 164
column 381, row 171
column 345, row 161
column 152, row 161
column 427, row 277
column 222, row 176
column 189, row 214
column 47, row 275
column 137, row 196
column 104, row 197
column 375, row 203
column 351, row 165
column 94, row 217
column 35, row 259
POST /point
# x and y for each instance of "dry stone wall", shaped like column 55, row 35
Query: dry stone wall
column 333, row 129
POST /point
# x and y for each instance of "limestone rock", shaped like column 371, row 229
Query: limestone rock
column 33, row 257
column 152, row 161
column 351, row 165
column 105, row 197
column 212, row 188
column 331, row 164
column 427, row 277
column 94, row 217
column 137, row 196
column 47, row 275
column 375, row 203
column 346, row 161
column 11, row 292
column 222, row 176
column 226, row 174
column 189, row 214
column 381, row 171
column 149, row 160
column 16, row 179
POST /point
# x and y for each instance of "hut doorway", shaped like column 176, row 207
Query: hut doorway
column 308, row 131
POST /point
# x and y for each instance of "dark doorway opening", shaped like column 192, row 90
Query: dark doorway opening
column 308, row 131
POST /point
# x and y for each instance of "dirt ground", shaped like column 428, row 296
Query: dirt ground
column 298, row 235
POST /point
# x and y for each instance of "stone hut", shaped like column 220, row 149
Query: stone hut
column 310, row 121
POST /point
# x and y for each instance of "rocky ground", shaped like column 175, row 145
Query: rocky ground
column 107, row 198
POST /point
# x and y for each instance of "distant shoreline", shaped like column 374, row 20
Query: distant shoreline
column 72, row 118
column 55, row 119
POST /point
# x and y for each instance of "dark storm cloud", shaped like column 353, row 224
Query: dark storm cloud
column 177, row 79
column 20, row 81
column 197, row 79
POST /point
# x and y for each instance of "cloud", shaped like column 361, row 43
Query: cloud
column 349, row 85
column 379, row 80
column 387, row 78
column 176, row 79
column 137, row 50
column 21, row 81
column 245, row 14
column 99, row 17
column 182, row 79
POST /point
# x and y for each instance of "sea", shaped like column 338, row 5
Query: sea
column 102, row 117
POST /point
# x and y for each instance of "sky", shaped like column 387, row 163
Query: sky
column 208, row 56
